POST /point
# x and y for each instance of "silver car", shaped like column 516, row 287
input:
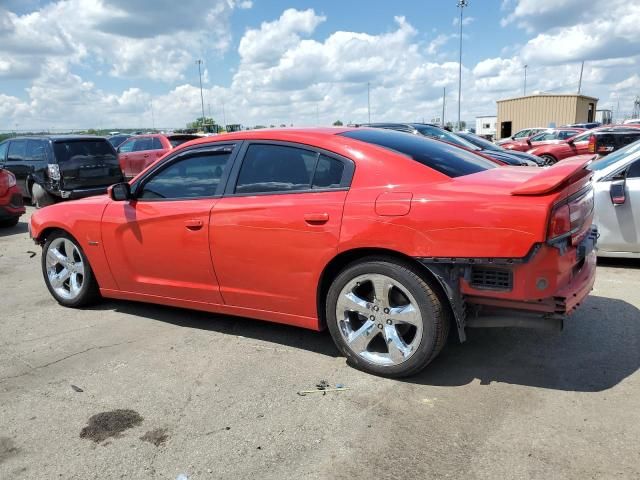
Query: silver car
column 617, row 202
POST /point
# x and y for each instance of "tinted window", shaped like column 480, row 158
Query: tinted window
column 522, row 133
column 191, row 177
column 127, row 146
column 3, row 150
column 84, row 151
column 480, row 142
column 446, row 159
column 36, row 151
column 276, row 168
column 634, row 170
column 156, row 144
column 566, row 134
column 175, row 141
column 117, row 140
column 17, row 151
column 142, row 144
column 328, row 172
column 612, row 158
column 442, row 134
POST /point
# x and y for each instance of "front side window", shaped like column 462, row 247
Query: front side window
column 192, row 177
column 276, row 168
column 17, row 151
column 3, row 150
column 127, row 146
column 521, row 134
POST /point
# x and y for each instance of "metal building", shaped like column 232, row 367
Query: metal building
column 543, row 110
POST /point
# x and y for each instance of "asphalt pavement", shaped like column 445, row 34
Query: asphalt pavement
column 129, row 390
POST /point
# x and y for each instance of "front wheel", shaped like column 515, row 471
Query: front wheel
column 385, row 318
column 40, row 197
column 67, row 272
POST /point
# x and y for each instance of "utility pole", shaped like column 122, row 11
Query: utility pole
column 524, row 91
column 224, row 116
column 444, row 96
column 369, row 100
column 199, row 63
column 153, row 122
column 461, row 5
column 580, row 81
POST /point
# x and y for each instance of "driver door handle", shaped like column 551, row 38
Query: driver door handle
column 316, row 218
column 193, row 224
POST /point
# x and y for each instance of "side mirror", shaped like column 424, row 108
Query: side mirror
column 528, row 142
column 617, row 192
column 119, row 192
column 570, row 142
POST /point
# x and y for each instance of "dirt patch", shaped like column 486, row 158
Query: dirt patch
column 7, row 449
column 110, row 424
column 157, row 436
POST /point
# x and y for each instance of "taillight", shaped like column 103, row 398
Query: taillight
column 560, row 223
column 570, row 218
column 53, row 170
column 592, row 144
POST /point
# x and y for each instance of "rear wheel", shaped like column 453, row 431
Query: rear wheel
column 40, row 197
column 67, row 272
column 385, row 318
column 548, row 160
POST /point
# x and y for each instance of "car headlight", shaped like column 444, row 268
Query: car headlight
column 11, row 180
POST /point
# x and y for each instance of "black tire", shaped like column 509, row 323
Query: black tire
column 9, row 222
column 435, row 316
column 89, row 292
column 40, row 197
column 548, row 160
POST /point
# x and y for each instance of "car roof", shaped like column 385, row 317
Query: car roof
column 58, row 138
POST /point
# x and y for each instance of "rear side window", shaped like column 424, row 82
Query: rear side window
column 328, row 173
column 85, row 151
column 3, row 150
column 17, row 151
column 192, row 177
column 276, row 168
column 156, row 144
column 36, row 151
column 142, row 144
column 175, row 141
column 442, row 157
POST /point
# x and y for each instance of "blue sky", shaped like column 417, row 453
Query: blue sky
column 93, row 63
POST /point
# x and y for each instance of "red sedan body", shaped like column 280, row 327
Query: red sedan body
column 494, row 243
column 11, row 203
column 550, row 136
column 137, row 153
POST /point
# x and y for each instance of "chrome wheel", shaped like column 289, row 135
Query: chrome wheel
column 379, row 319
column 65, row 268
column 548, row 160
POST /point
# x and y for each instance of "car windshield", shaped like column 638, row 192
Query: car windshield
column 616, row 156
column 481, row 142
column 445, row 158
column 72, row 150
column 442, row 134
column 549, row 135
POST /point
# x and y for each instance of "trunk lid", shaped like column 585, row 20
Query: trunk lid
column 86, row 163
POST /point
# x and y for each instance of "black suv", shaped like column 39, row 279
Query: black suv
column 53, row 167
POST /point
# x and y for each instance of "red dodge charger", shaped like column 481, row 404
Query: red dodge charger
column 387, row 239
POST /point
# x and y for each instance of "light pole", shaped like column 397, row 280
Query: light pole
column 524, row 90
column 461, row 5
column 199, row 62
column 369, row 100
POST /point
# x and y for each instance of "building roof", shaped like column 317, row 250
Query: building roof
column 549, row 95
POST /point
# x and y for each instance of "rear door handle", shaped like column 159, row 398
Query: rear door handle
column 316, row 218
column 145, row 155
column 193, row 224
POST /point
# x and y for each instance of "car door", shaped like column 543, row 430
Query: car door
column 141, row 151
column 18, row 165
column 124, row 156
column 619, row 225
column 158, row 243
column 278, row 225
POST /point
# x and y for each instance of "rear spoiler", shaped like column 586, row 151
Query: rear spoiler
column 553, row 177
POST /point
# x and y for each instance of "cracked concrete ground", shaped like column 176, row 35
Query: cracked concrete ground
column 222, row 392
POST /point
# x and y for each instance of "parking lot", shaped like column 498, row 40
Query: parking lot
column 217, row 396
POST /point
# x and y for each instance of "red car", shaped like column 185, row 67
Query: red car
column 551, row 135
column 521, row 135
column 551, row 152
column 11, row 203
column 386, row 239
column 137, row 153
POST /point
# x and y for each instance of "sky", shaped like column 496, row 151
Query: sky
column 77, row 64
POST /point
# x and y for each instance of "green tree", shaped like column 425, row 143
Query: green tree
column 337, row 123
column 205, row 124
